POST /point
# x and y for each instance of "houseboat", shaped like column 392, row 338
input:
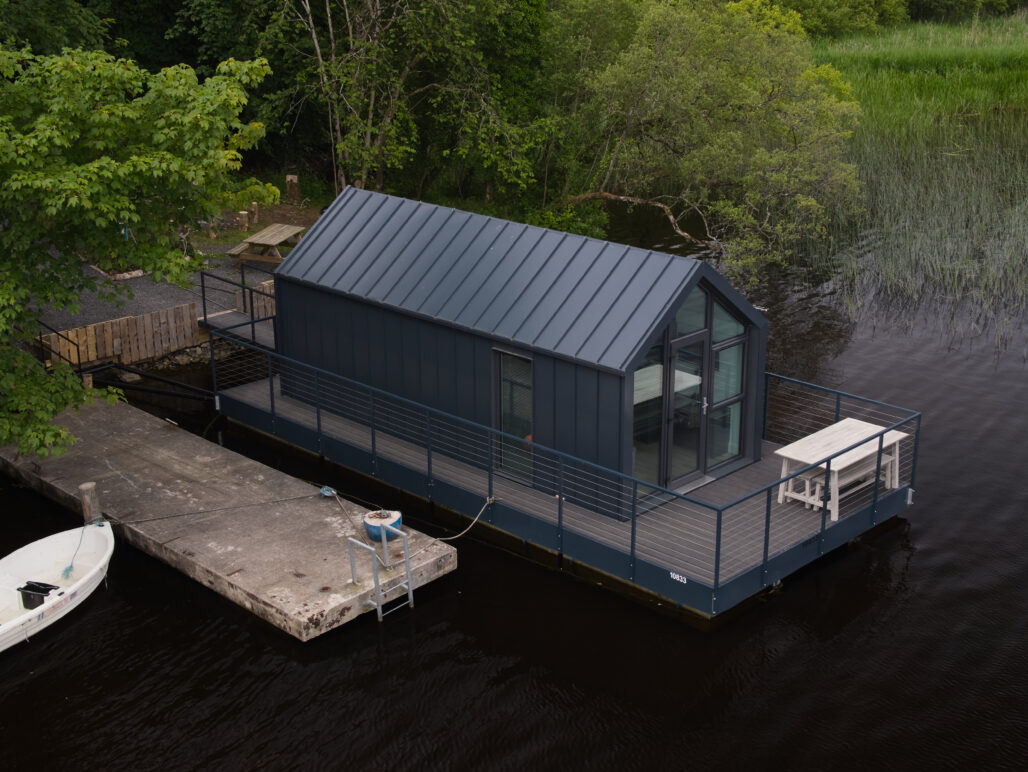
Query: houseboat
column 604, row 402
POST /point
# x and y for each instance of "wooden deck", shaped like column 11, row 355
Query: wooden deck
column 680, row 535
column 238, row 325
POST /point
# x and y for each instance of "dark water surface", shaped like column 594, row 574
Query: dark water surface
column 905, row 650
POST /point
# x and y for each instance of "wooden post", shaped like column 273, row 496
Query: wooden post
column 253, row 212
column 87, row 380
column 243, row 218
column 293, row 189
column 90, row 502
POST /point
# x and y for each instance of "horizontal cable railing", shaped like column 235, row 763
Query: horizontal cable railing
column 572, row 504
column 251, row 300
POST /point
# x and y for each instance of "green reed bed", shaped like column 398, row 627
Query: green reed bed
column 943, row 154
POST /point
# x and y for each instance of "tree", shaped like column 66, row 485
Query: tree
column 50, row 25
column 715, row 115
column 92, row 147
column 380, row 68
column 846, row 17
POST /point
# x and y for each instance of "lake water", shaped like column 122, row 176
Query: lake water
column 905, row 650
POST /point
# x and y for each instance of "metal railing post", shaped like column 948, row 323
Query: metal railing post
column 203, row 294
column 767, row 403
column 838, row 405
column 242, row 285
column 878, row 480
column 492, row 452
column 767, row 538
column 271, row 391
column 717, row 553
column 371, row 418
column 631, row 555
column 917, row 445
column 560, row 504
column 428, row 451
column 826, row 498
column 214, row 371
column 317, row 407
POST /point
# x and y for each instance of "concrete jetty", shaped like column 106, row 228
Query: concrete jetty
column 267, row 541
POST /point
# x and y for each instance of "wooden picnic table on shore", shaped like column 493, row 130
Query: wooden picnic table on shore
column 264, row 244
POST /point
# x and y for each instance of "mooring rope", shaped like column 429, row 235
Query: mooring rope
column 329, row 491
column 66, row 571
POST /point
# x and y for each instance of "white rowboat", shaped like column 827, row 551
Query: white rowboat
column 44, row 580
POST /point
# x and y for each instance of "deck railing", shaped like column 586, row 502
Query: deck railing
column 255, row 304
column 707, row 555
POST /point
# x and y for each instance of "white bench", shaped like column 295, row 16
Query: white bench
column 851, row 479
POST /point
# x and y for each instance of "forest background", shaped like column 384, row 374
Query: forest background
column 761, row 134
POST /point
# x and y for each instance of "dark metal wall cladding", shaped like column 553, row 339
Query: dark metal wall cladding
column 575, row 407
column 581, row 298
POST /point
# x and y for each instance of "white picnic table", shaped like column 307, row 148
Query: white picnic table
column 854, row 466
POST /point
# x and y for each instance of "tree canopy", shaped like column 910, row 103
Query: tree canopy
column 101, row 162
column 715, row 115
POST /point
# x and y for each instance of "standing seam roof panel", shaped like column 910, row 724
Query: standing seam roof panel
column 453, row 237
column 469, row 271
column 605, row 303
column 440, row 228
column 474, row 285
column 644, row 318
column 582, row 295
column 366, row 247
column 577, row 297
column 424, row 282
column 405, row 231
column 318, row 240
column 537, row 327
column 495, row 315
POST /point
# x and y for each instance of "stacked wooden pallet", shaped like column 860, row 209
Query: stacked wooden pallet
column 129, row 339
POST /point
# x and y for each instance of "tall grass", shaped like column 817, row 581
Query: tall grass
column 943, row 154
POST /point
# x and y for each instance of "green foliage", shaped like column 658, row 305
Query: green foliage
column 958, row 10
column 218, row 29
column 835, row 18
column 588, row 219
column 90, row 145
column 47, row 26
column 717, row 112
column 138, row 30
column 397, row 79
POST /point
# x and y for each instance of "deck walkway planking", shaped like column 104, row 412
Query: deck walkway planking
column 679, row 535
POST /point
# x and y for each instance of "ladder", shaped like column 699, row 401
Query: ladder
column 376, row 603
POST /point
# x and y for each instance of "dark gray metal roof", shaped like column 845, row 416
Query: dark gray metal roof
column 572, row 296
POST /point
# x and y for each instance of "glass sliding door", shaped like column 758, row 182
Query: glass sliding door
column 687, row 412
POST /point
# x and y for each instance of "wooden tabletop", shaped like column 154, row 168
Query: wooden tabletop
column 274, row 234
column 849, row 431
